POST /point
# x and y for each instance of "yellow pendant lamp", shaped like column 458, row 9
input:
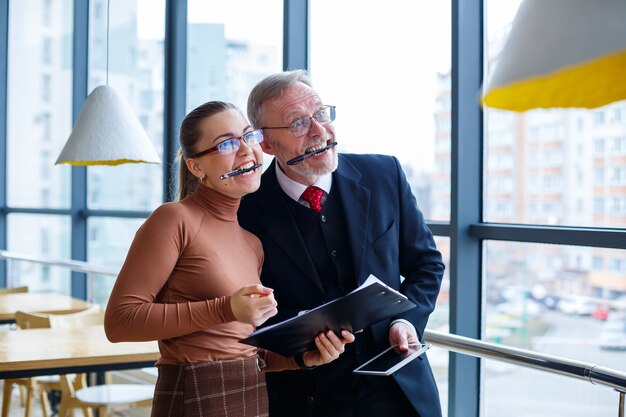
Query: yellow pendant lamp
column 561, row 53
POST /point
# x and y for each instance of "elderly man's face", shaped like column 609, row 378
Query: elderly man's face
column 299, row 101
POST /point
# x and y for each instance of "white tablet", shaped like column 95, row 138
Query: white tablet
column 389, row 361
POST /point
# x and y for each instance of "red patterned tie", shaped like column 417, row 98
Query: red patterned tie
column 313, row 195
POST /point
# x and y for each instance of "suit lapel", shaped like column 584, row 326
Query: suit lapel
column 278, row 223
column 356, row 202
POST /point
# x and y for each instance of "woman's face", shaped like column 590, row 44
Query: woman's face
column 208, row 168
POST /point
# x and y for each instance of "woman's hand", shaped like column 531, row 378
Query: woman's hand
column 329, row 347
column 253, row 304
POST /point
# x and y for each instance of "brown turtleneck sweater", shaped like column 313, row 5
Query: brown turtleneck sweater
column 175, row 284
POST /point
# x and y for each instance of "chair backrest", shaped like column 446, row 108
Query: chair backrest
column 14, row 290
column 91, row 316
column 26, row 320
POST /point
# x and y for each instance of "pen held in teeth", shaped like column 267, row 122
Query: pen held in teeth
column 239, row 171
column 301, row 158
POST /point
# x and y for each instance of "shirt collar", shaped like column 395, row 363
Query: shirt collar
column 295, row 189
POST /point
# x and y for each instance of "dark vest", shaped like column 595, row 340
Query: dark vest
column 326, row 239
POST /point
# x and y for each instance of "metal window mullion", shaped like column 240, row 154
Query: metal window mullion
column 295, row 34
column 557, row 235
column 124, row 214
column 175, row 92
column 466, row 203
column 80, row 70
column 4, row 52
column 439, row 228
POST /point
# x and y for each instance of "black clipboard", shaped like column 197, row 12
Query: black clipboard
column 371, row 302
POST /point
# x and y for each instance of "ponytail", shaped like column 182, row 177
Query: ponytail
column 187, row 182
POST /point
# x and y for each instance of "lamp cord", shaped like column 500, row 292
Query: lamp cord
column 107, row 48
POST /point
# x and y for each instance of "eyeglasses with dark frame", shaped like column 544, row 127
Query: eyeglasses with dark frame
column 231, row 145
column 302, row 126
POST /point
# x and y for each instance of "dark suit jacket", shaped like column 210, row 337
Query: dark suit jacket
column 388, row 238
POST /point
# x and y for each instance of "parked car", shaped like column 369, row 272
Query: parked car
column 520, row 307
column 579, row 306
column 551, row 301
column 601, row 312
column 613, row 333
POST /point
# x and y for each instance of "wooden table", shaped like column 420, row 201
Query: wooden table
column 35, row 352
column 33, row 302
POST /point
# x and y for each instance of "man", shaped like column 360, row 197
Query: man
column 366, row 222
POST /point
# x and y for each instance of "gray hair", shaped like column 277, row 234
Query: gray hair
column 271, row 87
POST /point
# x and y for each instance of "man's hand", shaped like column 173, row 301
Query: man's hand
column 329, row 347
column 403, row 335
column 253, row 304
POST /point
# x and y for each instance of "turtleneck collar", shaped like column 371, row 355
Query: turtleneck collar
column 219, row 205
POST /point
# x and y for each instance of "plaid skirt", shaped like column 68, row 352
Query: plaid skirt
column 233, row 388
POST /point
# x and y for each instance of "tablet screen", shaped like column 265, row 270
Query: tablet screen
column 389, row 361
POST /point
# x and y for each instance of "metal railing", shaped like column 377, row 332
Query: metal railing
column 89, row 269
column 596, row 375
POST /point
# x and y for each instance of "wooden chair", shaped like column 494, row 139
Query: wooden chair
column 75, row 394
column 28, row 387
column 33, row 386
column 109, row 398
column 13, row 290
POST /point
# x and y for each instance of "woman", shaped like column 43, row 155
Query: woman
column 191, row 279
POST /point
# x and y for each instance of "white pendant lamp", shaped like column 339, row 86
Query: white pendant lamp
column 107, row 131
column 561, row 53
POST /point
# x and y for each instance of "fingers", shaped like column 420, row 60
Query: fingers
column 254, row 304
column 331, row 346
column 326, row 345
column 266, row 312
column 403, row 344
column 348, row 337
column 263, row 309
column 255, row 290
column 402, row 336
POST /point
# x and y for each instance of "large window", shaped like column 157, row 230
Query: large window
column 556, row 300
column 130, row 59
column 393, row 103
column 108, row 241
column 39, row 105
column 38, row 120
column 389, row 76
column 39, row 235
column 229, row 50
column 126, row 51
column 551, row 168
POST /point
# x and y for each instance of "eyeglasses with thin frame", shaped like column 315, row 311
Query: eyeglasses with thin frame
column 302, row 126
column 231, row 145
